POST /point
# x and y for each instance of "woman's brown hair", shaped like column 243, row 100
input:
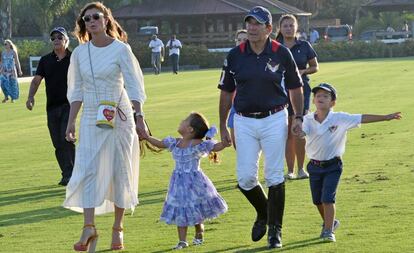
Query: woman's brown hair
column 113, row 28
column 279, row 35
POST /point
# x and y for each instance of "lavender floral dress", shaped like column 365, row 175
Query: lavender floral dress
column 192, row 197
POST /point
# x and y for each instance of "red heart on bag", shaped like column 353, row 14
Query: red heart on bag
column 108, row 114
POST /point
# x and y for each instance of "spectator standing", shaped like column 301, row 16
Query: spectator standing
column 157, row 53
column 174, row 47
column 306, row 60
column 53, row 67
column 314, row 36
column 10, row 68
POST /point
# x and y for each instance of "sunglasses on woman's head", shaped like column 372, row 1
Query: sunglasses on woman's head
column 95, row 16
column 59, row 37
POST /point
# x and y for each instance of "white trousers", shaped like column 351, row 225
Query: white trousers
column 254, row 136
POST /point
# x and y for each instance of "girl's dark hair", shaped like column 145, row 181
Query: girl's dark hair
column 279, row 35
column 200, row 125
column 113, row 28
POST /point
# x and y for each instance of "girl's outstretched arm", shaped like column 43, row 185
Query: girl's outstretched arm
column 220, row 146
column 369, row 118
column 154, row 141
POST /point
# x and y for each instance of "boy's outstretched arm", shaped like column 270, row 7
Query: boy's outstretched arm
column 369, row 118
column 220, row 146
column 154, row 141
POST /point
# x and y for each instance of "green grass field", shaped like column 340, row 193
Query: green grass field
column 375, row 199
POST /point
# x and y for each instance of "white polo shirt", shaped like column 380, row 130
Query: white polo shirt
column 156, row 45
column 174, row 46
column 326, row 140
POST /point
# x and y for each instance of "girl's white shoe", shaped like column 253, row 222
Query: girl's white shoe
column 181, row 245
column 197, row 241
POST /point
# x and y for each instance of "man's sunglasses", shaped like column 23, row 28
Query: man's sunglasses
column 59, row 37
column 95, row 16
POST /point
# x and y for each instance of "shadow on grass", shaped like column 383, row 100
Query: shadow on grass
column 32, row 196
column 34, row 216
column 286, row 247
column 34, row 188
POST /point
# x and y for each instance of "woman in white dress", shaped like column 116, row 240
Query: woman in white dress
column 105, row 175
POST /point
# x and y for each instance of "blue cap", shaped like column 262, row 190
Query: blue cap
column 60, row 30
column 261, row 14
column 325, row 86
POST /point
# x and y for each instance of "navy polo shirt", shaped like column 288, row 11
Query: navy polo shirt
column 257, row 79
column 55, row 73
column 302, row 52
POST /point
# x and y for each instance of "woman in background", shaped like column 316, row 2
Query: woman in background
column 10, row 68
column 306, row 60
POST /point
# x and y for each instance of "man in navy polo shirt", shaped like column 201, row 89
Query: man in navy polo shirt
column 253, row 72
column 53, row 67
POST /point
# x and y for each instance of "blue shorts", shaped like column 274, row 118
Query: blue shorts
column 230, row 120
column 306, row 99
column 324, row 182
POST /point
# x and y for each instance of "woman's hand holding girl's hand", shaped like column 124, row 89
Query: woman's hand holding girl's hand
column 141, row 128
column 70, row 133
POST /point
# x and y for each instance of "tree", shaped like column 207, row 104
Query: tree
column 45, row 11
column 5, row 19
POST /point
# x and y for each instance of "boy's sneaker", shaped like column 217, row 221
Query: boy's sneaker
column 335, row 227
column 302, row 174
column 290, row 176
column 181, row 245
column 328, row 236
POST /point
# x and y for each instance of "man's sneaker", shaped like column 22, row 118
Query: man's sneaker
column 328, row 236
column 302, row 174
column 335, row 227
column 290, row 176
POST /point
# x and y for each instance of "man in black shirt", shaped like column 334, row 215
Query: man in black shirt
column 256, row 74
column 53, row 68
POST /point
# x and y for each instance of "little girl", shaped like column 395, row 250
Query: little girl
column 192, row 197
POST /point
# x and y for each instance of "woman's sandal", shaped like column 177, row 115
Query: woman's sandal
column 118, row 246
column 181, row 245
column 91, row 240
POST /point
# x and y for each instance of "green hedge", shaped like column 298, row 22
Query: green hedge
column 27, row 48
column 362, row 50
column 199, row 55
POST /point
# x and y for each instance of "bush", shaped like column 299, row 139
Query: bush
column 362, row 50
column 198, row 54
column 27, row 48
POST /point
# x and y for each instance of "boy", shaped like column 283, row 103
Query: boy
column 325, row 133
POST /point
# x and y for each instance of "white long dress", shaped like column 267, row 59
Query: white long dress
column 107, row 160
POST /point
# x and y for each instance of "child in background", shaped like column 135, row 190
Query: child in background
column 325, row 133
column 192, row 197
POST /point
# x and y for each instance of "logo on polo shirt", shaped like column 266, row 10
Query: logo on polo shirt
column 332, row 128
column 272, row 66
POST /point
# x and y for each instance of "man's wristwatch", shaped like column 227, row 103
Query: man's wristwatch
column 141, row 114
column 299, row 117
